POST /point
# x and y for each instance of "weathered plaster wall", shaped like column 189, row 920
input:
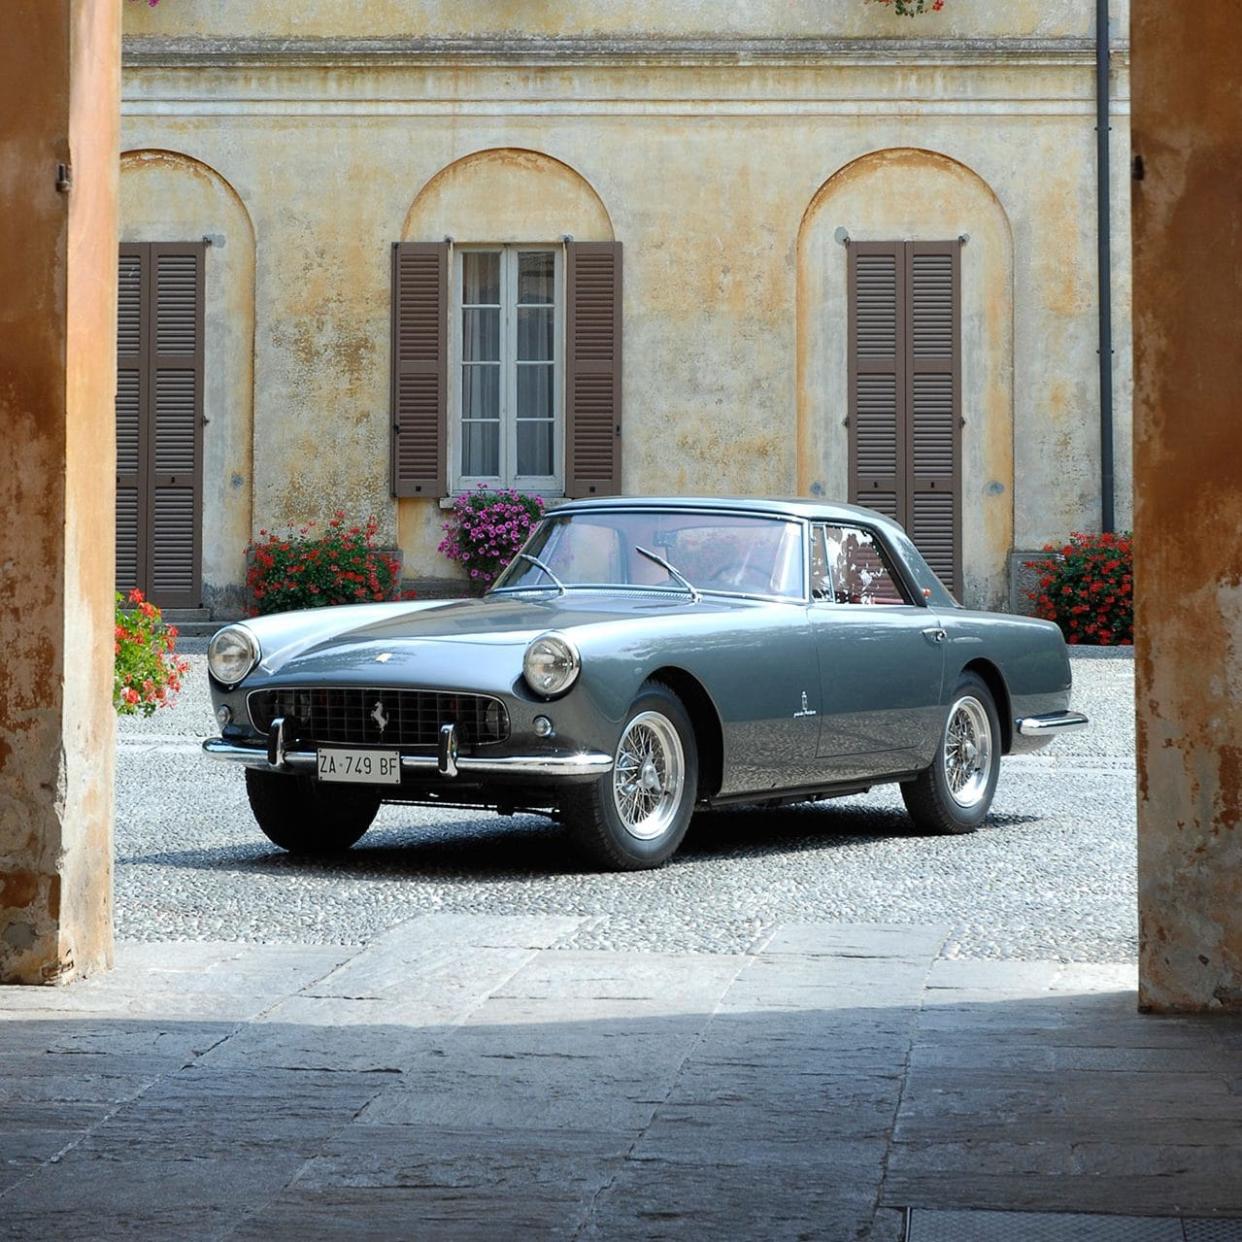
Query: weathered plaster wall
column 704, row 164
column 169, row 197
column 59, row 94
column 596, row 18
column 1188, row 567
column 915, row 195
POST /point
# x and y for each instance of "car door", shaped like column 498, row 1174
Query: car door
column 881, row 657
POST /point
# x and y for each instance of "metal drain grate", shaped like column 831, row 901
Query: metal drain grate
column 926, row 1225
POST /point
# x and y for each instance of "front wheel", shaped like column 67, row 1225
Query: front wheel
column 303, row 816
column 636, row 816
column 954, row 794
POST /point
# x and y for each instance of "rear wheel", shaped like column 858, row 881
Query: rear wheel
column 955, row 793
column 303, row 816
column 636, row 816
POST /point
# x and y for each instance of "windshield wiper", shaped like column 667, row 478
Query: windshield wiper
column 538, row 564
column 673, row 573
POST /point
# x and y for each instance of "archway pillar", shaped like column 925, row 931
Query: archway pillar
column 60, row 97
column 1188, row 505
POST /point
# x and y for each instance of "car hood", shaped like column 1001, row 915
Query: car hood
column 395, row 639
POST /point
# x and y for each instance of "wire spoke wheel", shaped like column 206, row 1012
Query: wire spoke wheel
column 967, row 752
column 649, row 776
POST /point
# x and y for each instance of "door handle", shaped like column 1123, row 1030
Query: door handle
column 935, row 635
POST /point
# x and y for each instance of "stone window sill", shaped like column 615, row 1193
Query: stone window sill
column 549, row 502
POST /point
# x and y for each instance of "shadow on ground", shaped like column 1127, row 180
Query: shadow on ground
column 526, row 845
column 476, row 1090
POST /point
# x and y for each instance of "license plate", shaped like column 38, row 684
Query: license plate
column 360, row 767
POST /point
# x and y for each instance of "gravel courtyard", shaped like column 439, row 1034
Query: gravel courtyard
column 1051, row 875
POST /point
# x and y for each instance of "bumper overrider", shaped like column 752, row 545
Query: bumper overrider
column 278, row 756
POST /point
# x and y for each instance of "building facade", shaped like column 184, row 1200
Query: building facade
column 375, row 253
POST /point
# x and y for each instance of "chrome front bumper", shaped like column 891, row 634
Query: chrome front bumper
column 1053, row 724
column 583, row 763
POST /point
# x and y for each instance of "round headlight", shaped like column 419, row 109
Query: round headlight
column 551, row 665
column 231, row 654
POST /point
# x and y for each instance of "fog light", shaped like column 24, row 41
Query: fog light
column 543, row 726
column 224, row 714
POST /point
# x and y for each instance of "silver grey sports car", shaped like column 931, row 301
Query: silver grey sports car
column 638, row 660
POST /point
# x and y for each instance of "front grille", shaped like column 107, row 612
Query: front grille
column 352, row 716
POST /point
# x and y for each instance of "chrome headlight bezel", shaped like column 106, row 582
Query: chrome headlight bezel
column 560, row 665
column 244, row 647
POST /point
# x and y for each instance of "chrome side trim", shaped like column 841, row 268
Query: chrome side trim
column 583, row 763
column 1052, row 724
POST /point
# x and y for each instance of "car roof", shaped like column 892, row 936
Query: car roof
column 806, row 508
column 799, row 507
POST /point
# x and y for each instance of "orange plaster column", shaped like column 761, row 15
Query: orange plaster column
column 60, row 110
column 1187, row 132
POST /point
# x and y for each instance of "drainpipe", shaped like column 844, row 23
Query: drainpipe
column 1104, row 234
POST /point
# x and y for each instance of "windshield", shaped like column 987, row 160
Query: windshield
column 736, row 555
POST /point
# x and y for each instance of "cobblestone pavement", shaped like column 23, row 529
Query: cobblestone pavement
column 1051, row 875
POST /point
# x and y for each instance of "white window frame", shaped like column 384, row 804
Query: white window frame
column 552, row 485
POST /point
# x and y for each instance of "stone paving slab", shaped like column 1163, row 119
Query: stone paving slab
column 466, row 1078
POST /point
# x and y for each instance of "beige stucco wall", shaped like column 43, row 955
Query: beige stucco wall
column 704, row 165
column 755, row 18
column 166, row 196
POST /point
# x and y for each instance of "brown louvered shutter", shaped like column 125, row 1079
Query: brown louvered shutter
column 131, row 364
column 175, row 395
column 593, row 369
column 877, row 376
column 934, row 514
column 159, row 421
column 419, row 367
column 905, row 392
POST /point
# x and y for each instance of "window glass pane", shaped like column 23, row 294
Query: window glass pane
column 536, row 277
column 480, row 392
column 859, row 569
column 534, row 448
column 534, row 392
column 480, row 335
column 480, row 449
column 717, row 552
column 480, row 277
column 534, row 331
column 507, row 396
column 821, row 579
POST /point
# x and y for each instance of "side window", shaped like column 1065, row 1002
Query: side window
column 821, row 579
column 849, row 566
